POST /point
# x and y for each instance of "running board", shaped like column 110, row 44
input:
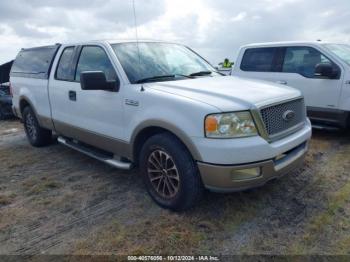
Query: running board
column 325, row 127
column 89, row 151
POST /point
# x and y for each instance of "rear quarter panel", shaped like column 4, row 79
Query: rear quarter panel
column 34, row 91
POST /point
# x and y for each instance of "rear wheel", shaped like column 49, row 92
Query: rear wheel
column 36, row 135
column 170, row 174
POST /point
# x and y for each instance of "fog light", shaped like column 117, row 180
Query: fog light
column 243, row 174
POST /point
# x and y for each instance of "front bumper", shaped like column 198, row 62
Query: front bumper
column 231, row 178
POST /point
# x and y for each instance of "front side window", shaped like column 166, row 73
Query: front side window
column 259, row 59
column 303, row 61
column 152, row 59
column 64, row 68
column 94, row 58
column 340, row 50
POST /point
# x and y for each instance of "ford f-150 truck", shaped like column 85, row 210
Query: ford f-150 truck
column 161, row 107
column 320, row 70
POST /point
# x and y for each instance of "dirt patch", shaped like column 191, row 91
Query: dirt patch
column 54, row 200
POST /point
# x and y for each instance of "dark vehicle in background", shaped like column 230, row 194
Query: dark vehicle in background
column 5, row 103
column 5, row 94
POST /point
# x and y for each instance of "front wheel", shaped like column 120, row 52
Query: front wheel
column 37, row 136
column 169, row 172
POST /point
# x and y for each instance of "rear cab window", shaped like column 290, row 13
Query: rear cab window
column 34, row 62
column 260, row 59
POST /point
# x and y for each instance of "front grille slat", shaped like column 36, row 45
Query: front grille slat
column 272, row 116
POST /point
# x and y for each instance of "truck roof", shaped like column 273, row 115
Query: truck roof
column 117, row 41
column 109, row 41
column 287, row 43
column 41, row 47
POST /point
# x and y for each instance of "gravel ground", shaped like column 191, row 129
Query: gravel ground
column 54, row 200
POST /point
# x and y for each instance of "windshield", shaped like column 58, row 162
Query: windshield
column 340, row 50
column 154, row 60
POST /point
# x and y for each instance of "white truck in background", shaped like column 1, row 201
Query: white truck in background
column 163, row 108
column 321, row 71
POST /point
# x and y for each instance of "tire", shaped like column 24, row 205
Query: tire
column 37, row 136
column 178, row 179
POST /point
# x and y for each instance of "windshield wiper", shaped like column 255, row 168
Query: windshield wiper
column 161, row 77
column 154, row 78
column 201, row 73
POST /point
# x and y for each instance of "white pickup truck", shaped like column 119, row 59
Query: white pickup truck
column 320, row 70
column 163, row 108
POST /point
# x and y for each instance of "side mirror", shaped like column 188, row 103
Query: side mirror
column 325, row 70
column 96, row 80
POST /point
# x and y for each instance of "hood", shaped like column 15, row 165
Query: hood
column 228, row 93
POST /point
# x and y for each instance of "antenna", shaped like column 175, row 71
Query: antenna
column 136, row 33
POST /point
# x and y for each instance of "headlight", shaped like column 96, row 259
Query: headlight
column 230, row 125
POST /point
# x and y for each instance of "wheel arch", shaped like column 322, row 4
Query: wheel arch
column 151, row 128
column 23, row 103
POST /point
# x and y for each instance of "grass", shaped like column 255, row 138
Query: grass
column 328, row 218
column 167, row 233
column 37, row 186
column 6, row 199
column 234, row 217
column 343, row 246
column 164, row 236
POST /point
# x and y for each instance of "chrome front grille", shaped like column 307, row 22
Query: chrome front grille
column 281, row 118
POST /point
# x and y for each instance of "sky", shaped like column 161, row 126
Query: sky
column 215, row 29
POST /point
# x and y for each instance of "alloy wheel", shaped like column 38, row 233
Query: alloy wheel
column 163, row 174
column 30, row 126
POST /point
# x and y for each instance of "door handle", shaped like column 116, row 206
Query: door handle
column 281, row 82
column 72, row 95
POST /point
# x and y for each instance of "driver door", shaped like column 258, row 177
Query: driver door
column 92, row 116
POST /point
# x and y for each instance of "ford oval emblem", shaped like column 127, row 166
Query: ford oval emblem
column 288, row 115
